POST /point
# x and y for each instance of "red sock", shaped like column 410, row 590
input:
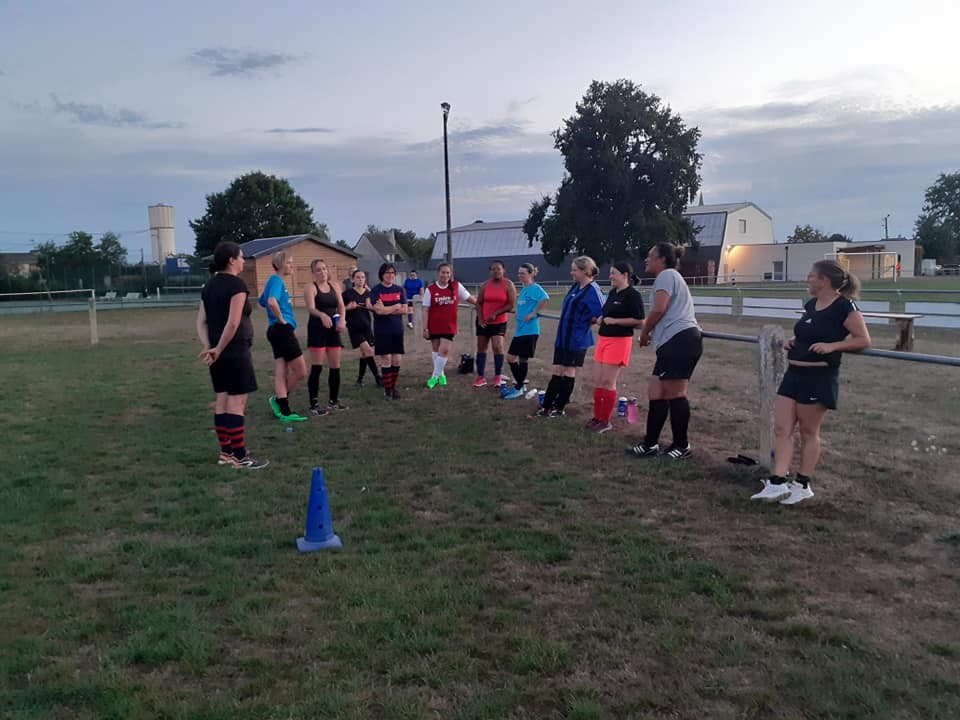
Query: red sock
column 609, row 405
column 598, row 400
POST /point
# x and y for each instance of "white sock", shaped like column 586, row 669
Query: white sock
column 439, row 363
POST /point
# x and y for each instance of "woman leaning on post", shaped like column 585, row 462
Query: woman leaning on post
column 831, row 324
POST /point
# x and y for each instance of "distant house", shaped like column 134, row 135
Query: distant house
column 304, row 249
column 374, row 249
column 22, row 263
column 476, row 245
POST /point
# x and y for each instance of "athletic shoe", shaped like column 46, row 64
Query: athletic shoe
column 772, row 492
column 642, row 451
column 513, row 394
column 556, row 413
column 317, row 411
column 601, row 427
column 531, row 394
column 498, row 381
column 433, row 382
column 443, row 380
column 410, row 325
column 359, row 383
column 394, row 394
column 541, row 413
column 227, row 459
column 292, row 417
column 378, row 380
column 480, row 382
column 336, row 405
column 591, row 424
column 675, row 452
column 249, row 462
column 275, row 406
column 798, row 493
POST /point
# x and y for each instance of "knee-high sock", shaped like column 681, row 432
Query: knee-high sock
column 313, row 383
column 656, row 419
column 333, row 383
column 372, row 364
column 550, row 394
column 680, row 420
column 385, row 374
column 233, row 425
column 362, row 369
column 394, row 376
column 598, row 402
column 498, row 364
column 223, row 434
column 520, row 374
column 609, row 404
column 439, row 365
column 566, row 390
column 481, row 363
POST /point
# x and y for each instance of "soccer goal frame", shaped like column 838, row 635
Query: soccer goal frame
column 883, row 264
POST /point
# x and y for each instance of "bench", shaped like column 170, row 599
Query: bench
column 132, row 296
column 112, row 295
column 904, row 320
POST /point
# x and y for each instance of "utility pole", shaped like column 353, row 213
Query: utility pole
column 445, row 106
column 886, row 227
column 143, row 268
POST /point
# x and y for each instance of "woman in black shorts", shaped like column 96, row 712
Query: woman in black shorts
column 496, row 297
column 389, row 303
column 359, row 324
column 226, row 334
column 325, row 305
column 831, row 324
column 673, row 329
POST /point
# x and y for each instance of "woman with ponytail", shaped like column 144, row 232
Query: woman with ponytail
column 622, row 313
column 325, row 323
column 530, row 303
column 831, row 324
column 672, row 327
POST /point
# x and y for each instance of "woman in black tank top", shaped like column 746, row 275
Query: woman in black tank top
column 325, row 305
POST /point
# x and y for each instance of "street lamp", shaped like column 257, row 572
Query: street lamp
column 446, row 177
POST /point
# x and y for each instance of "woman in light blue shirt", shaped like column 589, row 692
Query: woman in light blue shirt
column 530, row 302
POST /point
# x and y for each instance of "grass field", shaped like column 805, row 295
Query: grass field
column 493, row 567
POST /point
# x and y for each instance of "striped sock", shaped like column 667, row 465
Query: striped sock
column 234, row 429
column 223, row 436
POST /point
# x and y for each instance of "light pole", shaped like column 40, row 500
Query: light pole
column 886, row 227
column 445, row 106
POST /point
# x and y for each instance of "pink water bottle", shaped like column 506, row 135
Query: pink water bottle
column 633, row 412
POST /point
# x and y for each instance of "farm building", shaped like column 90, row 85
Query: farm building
column 304, row 248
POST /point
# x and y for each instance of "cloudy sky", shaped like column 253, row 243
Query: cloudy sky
column 828, row 113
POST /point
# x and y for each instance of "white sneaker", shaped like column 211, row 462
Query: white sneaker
column 772, row 492
column 531, row 393
column 798, row 493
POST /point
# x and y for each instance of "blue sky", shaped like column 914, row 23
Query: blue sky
column 833, row 114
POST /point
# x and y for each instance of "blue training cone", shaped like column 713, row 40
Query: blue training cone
column 318, row 534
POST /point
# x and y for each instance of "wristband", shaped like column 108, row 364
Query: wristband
column 336, row 317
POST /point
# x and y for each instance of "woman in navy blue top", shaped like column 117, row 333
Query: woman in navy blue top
column 581, row 307
column 831, row 324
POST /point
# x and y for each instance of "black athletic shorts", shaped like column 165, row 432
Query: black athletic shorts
column 442, row 336
column 320, row 337
column 568, row 358
column 524, row 346
column 233, row 374
column 283, row 340
column 492, row 329
column 678, row 357
column 391, row 344
column 810, row 385
column 358, row 336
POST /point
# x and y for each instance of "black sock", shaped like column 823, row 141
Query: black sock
column 550, row 394
column 233, row 425
column 520, row 374
column 680, row 420
column 515, row 370
column 776, row 480
column 313, row 384
column 362, row 369
column 333, row 382
column 284, row 404
column 803, row 480
column 657, row 413
column 395, row 373
column 566, row 390
column 372, row 364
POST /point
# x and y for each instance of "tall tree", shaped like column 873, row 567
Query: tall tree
column 110, row 251
column 254, row 205
column 938, row 227
column 806, row 234
column 632, row 167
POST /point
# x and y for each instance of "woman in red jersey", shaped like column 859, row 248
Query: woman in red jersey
column 496, row 298
column 441, row 304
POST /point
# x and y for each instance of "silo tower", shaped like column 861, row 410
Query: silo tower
column 161, row 232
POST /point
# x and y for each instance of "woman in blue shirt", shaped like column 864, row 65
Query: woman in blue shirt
column 530, row 302
column 289, row 367
column 581, row 307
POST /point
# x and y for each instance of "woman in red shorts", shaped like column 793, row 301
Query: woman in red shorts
column 496, row 298
column 622, row 314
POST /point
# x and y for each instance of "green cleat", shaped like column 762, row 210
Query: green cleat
column 275, row 406
column 292, row 417
column 443, row 380
column 432, row 382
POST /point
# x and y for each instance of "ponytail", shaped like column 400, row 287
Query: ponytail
column 845, row 283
